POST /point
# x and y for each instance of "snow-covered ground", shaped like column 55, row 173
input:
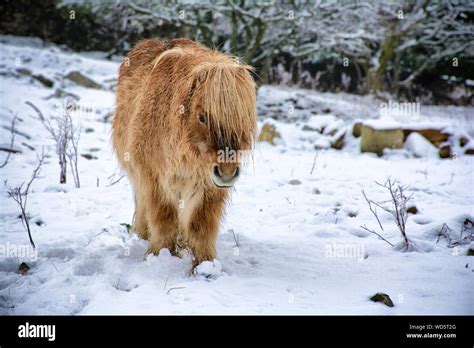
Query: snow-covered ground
column 291, row 241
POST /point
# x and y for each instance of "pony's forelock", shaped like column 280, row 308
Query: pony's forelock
column 227, row 92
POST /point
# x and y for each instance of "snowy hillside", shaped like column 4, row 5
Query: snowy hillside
column 291, row 242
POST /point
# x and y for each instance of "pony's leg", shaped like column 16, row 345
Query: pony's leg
column 140, row 224
column 162, row 218
column 202, row 231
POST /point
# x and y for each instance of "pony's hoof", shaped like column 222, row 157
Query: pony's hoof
column 209, row 269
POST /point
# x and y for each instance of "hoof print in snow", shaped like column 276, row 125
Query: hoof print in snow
column 294, row 182
column 384, row 298
column 23, row 268
column 209, row 269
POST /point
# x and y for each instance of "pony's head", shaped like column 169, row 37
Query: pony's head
column 221, row 120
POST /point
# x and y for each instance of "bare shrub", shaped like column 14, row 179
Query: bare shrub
column 20, row 195
column 66, row 136
column 396, row 205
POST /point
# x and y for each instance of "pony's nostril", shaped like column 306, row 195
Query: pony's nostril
column 237, row 172
column 217, row 171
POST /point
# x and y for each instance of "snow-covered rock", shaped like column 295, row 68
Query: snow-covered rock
column 419, row 146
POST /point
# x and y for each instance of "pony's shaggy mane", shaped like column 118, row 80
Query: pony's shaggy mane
column 226, row 89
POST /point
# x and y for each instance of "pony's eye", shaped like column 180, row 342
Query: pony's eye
column 202, row 119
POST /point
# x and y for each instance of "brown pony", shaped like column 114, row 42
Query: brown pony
column 179, row 106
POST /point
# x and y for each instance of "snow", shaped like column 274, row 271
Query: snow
column 419, row 146
column 283, row 247
column 383, row 123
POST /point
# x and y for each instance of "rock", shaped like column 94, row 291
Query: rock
column 357, row 129
column 82, row 80
column 445, row 151
column 412, row 210
column 463, row 141
column 323, row 124
column 60, row 93
column 333, row 128
column 294, row 182
column 381, row 297
column 419, row 146
column 88, row 156
column 338, row 140
column 44, row 80
column 434, row 136
column 308, row 128
column 376, row 140
column 469, row 151
column 23, row 268
column 24, row 71
column 269, row 133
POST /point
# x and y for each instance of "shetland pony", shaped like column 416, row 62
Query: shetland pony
column 179, row 106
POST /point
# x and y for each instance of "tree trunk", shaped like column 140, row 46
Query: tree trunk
column 375, row 75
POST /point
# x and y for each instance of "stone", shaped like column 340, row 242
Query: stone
column 357, row 129
column 445, row 151
column 269, row 133
column 44, row 80
column 463, row 141
column 82, row 80
column 376, row 140
column 338, row 140
column 384, row 298
column 24, row 71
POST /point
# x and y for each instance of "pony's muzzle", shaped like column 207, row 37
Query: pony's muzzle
column 225, row 176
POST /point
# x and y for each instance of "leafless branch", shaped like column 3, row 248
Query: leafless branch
column 374, row 211
column 20, row 195
column 377, row 234
column 236, row 239
column 314, row 162
column 113, row 179
column 12, row 142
